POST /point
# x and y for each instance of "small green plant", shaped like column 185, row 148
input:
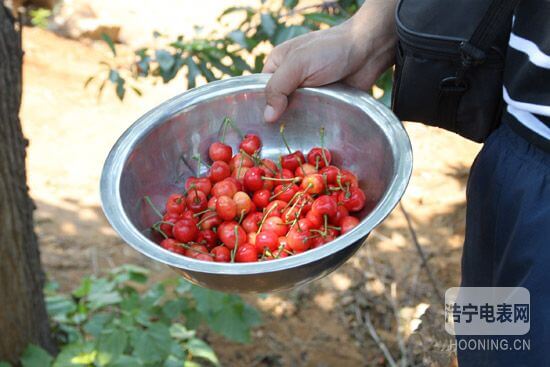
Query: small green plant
column 241, row 50
column 40, row 17
column 108, row 322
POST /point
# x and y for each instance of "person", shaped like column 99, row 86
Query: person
column 507, row 239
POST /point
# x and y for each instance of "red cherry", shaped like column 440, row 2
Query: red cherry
column 251, row 222
column 188, row 214
column 185, row 230
column 313, row 184
column 212, row 203
column 171, row 245
column 285, row 192
column 253, row 179
column 251, row 143
column 219, row 171
column 261, row 198
column 175, row 204
column 207, row 237
column 226, row 208
column 240, row 160
column 276, row 225
column 267, row 239
column 221, row 254
column 224, row 188
column 243, row 202
column 315, row 157
column 315, row 219
column 292, row 161
column 341, row 212
column 195, row 250
column 270, row 165
column 226, row 232
column 348, row 223
column 330, row 172
column 237, row 183
column 325, row 205
column 275, row 208
column 210, row 220
column 201, row 184
column 348, row 179
column 196, row 201
column 246, row 253
column 204, row 257
column 285, row 173
column 239, row 174
column 354, row 200
column 169, row 218
column 304, row 170
column 219, row 151
column 299, row 240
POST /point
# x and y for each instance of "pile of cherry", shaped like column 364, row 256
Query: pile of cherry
column 251, row 209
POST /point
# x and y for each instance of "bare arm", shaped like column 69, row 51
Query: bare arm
column 356, row 52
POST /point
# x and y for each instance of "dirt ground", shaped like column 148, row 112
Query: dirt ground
column 325, row 323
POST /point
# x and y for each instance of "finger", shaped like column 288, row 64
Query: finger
column 276, row 57
column 287, row 77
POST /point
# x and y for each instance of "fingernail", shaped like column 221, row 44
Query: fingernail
column 269, row 113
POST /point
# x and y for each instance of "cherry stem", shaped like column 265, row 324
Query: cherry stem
column 234, row 251
column 224, row 128
column 202, row 212
column 325, row 182
column 235, row 127
column 265, row 217
column 294, row 180
column 240, row 166
column 269, row 168
column 334, row 227
column 281, row 131
column 205, row 218
column 241, row 217
column 156, row 227
column 188, row 247
column 322, row 133
column 148, row 201
column 285, row 189
column 200, row 162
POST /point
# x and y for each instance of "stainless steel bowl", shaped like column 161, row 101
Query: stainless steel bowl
column 154, row 156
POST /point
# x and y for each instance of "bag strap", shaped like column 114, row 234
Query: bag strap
column 494, row 21
column 473, row 52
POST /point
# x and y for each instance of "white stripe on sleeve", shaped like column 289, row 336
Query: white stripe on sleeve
column 536, row 56
column 537, row 109
column 530, row 121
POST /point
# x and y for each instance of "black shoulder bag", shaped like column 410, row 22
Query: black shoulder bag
column 449, row 64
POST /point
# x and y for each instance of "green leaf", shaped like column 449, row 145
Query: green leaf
column 60, row 306
column 4, row 364
column 239, row 37
column 192, row 72
column 165, row 59
column 234, row 9
column 180, row 332
column 102, row 292
column 75, row 354
column 120, row 91
column 129, row 272
column 291, row 4
column 183, row 287
column 152, row 345
column 96, row 323
column 206, row 72
column 268, row 24
column 84, row 288
column 324, row 18
column 110, row 347
column 285, row 33
column 239, row 63
column 109, row 42
column 114, row 76
column 34, row 356
column 126, row 361
column 173, row 361
column 198, row 348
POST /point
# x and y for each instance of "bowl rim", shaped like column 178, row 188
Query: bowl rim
column 112, row 171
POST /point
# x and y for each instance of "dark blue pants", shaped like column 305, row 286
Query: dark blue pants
column 507, row 240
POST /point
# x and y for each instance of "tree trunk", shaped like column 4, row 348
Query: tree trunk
column 23, row 317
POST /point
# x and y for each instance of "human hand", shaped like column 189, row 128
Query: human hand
column 355, row 52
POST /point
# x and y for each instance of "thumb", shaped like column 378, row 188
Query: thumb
column 282, row 83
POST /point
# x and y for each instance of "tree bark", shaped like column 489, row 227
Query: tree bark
column 23, row 317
